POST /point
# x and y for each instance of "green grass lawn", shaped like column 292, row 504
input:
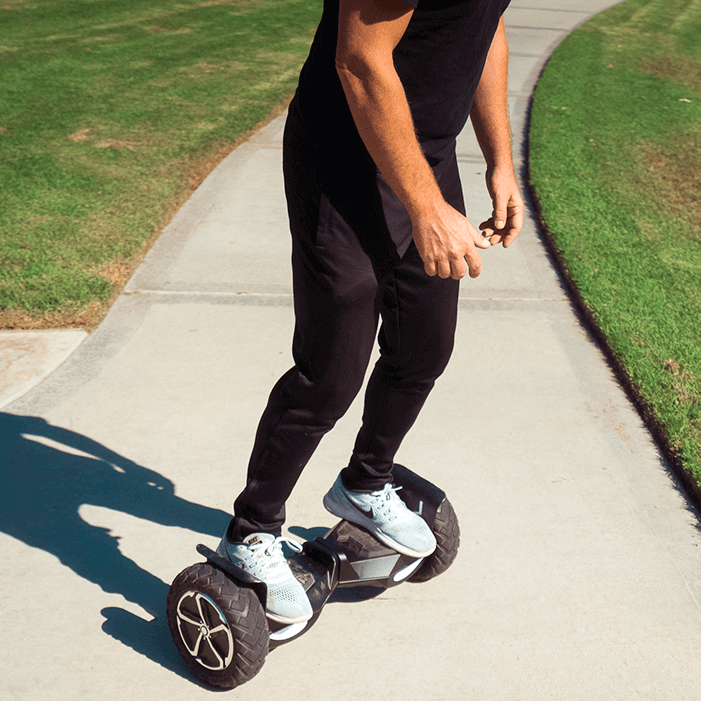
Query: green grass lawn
column 615, row 162
column 110, row 113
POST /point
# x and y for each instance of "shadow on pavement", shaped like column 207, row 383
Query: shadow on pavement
column 47, row 473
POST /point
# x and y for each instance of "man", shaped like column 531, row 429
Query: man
column 379, row 230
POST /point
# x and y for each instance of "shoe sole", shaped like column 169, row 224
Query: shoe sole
column 342, row 510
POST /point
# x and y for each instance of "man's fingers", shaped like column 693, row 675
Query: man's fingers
column 510, row 238
column 514, row 228
column 507, row 233
column 474, row 263
column 458, row 269
column 490, row 233
column 499, row 215
column 482, row 241
column 490, row 236
column 445, row 269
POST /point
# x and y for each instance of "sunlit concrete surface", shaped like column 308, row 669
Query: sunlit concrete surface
column 28, row 357
column 579, row 571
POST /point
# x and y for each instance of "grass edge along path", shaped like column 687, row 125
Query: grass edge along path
column 613, row 162
column 111, row 114
column 118, row 273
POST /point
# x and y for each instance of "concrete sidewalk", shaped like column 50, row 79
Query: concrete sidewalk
column 579, row 575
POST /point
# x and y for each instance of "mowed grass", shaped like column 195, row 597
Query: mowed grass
column 110, row 114
column 615, row 161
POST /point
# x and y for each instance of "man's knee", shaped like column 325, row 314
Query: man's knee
column 419, row 360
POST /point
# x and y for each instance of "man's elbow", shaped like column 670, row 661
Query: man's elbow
column 352, row 66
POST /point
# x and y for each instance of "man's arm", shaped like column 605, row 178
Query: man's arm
column 369, row 30
column 490, row 120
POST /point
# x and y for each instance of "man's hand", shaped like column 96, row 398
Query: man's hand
column 507, row 216
column 448, row 243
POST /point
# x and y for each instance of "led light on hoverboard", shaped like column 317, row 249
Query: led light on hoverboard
column 409, row 569
column 288, row 631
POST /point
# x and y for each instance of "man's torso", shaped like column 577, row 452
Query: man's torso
column 439, row 61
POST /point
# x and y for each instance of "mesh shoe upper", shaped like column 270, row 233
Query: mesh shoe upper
column 260, row 554
column 385, row 515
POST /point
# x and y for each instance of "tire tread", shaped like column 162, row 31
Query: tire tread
column 447, row 531
column 245, row 616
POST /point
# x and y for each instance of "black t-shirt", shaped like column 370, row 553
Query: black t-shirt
column 439, row 61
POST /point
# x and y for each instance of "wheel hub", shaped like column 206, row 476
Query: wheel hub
column 204, row 631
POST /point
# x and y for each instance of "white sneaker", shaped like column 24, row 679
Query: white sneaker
column 385, row 515
column 261, row 555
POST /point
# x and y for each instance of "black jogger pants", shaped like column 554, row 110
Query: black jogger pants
column 353, row 262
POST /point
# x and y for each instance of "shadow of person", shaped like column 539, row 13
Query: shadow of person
column 47, row 473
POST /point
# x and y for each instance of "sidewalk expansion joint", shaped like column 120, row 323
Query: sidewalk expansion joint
column 553, row 9
column 513, row 299
column 251, row 297
column 218, row 296
column 539, row 29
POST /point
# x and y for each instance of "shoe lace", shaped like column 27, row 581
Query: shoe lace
column 388, row 501
column 273, row 548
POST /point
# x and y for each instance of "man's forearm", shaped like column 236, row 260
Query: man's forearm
column 489, row 115
column 490, row 118
column 381, row 113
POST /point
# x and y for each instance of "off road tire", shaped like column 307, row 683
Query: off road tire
column 447, row 532
column 218, row 627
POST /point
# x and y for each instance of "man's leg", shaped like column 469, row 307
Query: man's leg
column 335, row 291
column 336, row 315
column 416, row 340
column 419, row 315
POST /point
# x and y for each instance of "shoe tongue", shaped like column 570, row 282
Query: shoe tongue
column 386, row 492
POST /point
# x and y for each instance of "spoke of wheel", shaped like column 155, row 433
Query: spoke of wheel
column 198, row 599
column 218, row 629
column 192, row 622
column 216, row 654
column 196, row 650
